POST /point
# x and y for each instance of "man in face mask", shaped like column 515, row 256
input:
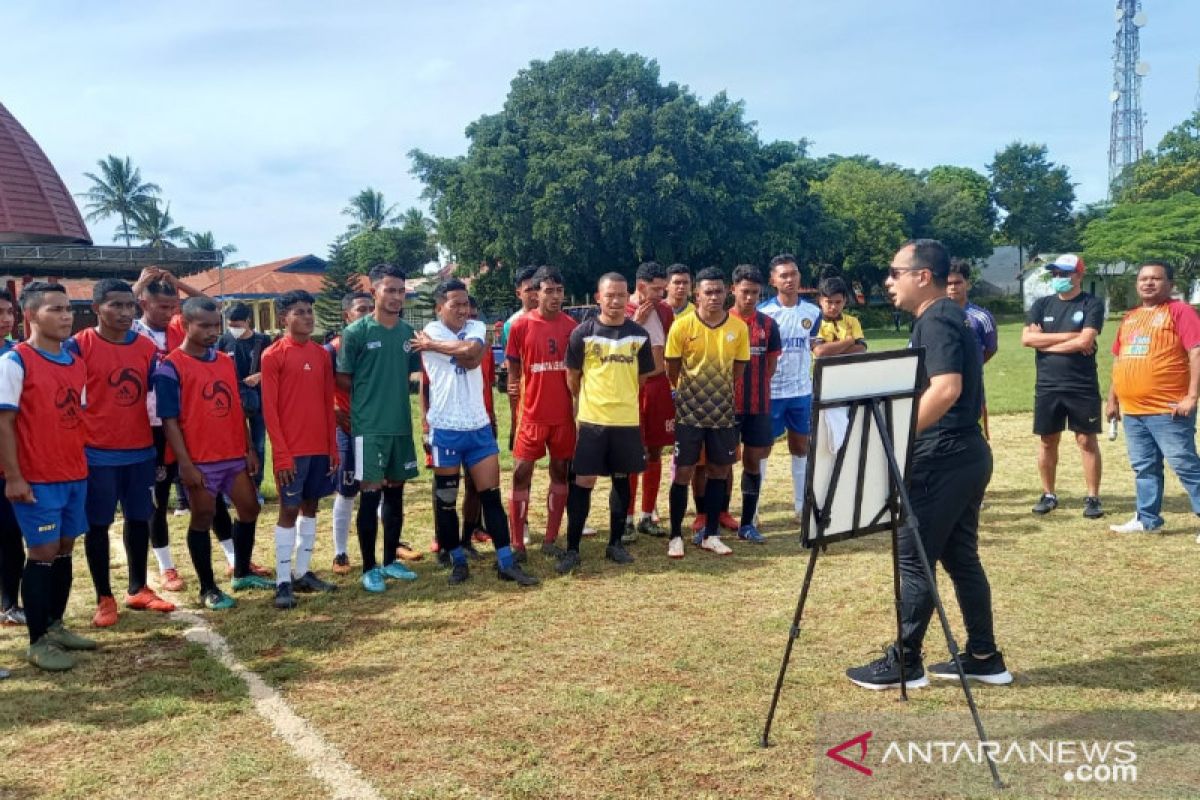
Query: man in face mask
column 246, row 346
column 1062, row 328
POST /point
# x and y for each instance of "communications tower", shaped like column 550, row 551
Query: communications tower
column 1125, row 140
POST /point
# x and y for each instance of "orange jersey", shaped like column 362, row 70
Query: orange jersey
column 1150, row 373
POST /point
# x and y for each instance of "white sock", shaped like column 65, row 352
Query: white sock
column 165, row 562
column 227, row 546
column 343, row 510
column 285, row 543
column 799, row 473
column 306, row 532
column 762, row 481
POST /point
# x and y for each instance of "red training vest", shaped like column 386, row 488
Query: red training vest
column 50, row 428
column 210, row 410
column 115, row 415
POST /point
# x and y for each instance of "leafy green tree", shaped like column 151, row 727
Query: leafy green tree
column 960, row 214
column 1035, row 195
column 1155, row 229
column 369, row 212
column 118, row 191
column 154, row 226
column 206, row 241
column 340, row 279
column 1172, row 168
column 410, row 246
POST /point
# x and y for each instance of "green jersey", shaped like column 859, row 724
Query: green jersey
column 379, row 359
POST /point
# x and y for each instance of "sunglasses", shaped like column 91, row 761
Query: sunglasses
column 894, row 272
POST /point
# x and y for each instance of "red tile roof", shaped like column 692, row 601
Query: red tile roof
column 35, row 205
column 264, row 279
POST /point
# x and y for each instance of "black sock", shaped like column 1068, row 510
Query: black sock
column 137, row 551
column 368, row 527
column 579, row 504
column 36, row 589
column 393, row 521
column 162, row 506
column 12, row 563
column 728, row 493
column 494, row 517
column 751, row 482
column 445, row 512
column 95, row 548
column 678, row 498
column 698, row 498
column 60, row 582
column 714, row 496
column 200, row 549
column 618, row 505
column 243, row 547
column 222, row 524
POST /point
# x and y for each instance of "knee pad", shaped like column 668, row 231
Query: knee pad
column 445, row 491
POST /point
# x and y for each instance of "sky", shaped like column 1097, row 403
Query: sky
column 261, row 118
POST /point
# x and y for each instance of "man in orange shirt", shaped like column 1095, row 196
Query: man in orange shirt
column 1156, row 380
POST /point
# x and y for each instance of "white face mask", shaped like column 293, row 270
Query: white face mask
column 239, row 332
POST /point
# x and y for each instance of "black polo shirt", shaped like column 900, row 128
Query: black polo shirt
column 1067, row 372
column 950, row 347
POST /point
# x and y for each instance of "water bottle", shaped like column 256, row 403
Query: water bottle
column 1112, row 429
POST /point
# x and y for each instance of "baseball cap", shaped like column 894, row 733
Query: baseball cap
column 1067, row 262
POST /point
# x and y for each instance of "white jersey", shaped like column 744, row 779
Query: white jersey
column 797, row 325
column 160, row 341
column 455, row 393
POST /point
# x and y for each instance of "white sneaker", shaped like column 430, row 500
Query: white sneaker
column 589, row 530
column 1132, row 526
column 675, row 547
column 713, row 544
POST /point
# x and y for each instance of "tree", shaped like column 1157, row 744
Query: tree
column 206, row 241
column 1035, row 195
column 1174, row 167
column 369, row 212
column 960, row 214
column 154, row 226
column 118, row 191
column 410, row 246
column 340, row 279
column 1167, row 230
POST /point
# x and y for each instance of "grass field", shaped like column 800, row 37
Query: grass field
column 647, row 681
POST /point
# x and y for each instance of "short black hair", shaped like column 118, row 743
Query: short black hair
column 446, row 287
column 547, row 273
column 1167, row 269
column 615, row 277
column 678, row 269
column 160, row 289
column 650, row 271
column 833, row 285
column 748, row 272
column 783, row 258
column 194, row 306
column 5, row 294
column 34, row 293
column 381, row 271
column 710, row 274
column 960, row 266
column 291, row 298
column 105, row 285
column 932, row 255
column 473, row 302
column 524, row 274
column 348, row 300
column 238, row 312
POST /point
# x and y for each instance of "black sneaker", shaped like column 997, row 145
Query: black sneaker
column 884, row 673
column 470, row 550
column 1045, row 504
column 309, row 582
column 567, row 562
column 459, row 573
column 443, row 558
column 284, row 598
column 552, row 550
column 989, row 670
column 618, row 554
column 516, row 575
column 1091, row 508
column 519, row 555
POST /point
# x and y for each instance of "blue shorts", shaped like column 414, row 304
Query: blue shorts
column 59, row 513
column 463, row 448
column 791, row 414
column 345, row 482
column 132, row 485
column 312, row 481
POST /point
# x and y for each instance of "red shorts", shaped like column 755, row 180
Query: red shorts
column 533, row 440
column 658, row 413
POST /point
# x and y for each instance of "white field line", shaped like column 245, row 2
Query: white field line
column 322, row 759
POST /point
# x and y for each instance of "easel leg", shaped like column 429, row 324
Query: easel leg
column 899, row 616
column 793, row 633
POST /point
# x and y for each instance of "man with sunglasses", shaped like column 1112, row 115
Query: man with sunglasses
column 1063, row 328
column 949, row 470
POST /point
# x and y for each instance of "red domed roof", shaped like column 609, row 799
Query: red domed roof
column 35, row 205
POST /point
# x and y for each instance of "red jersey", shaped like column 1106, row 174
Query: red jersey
column 49, row 422
column 655, row 384
column 540, row 345
column 210, row 410
column 752, row 394
column 118, row 378
column 297, row 398
column 341, row 398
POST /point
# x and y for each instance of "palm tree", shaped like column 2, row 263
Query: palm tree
column 154, row 226
column 369, row 211
column 118, row 190
column 206, row 241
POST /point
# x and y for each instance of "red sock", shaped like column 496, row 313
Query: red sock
column 632, row 496
column 556, row 504
column 651, row 479
column 518, row 503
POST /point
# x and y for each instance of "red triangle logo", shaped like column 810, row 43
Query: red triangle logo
column 861, row 740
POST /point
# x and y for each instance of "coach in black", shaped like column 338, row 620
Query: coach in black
column 949, row 468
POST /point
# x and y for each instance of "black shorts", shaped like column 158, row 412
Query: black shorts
column 756, row 430
column 608, row 450
column 719, row 445
column 1053, row 411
